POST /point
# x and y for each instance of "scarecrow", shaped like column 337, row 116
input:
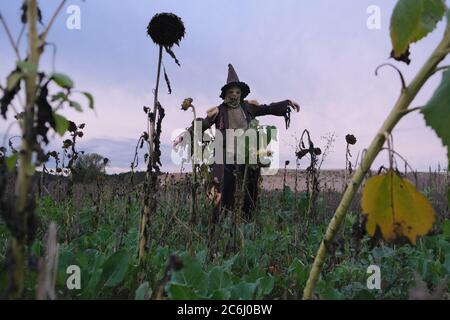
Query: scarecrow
column 233, row 114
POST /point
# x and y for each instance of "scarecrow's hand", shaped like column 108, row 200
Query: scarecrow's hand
column 178, row 140
column 294, row 105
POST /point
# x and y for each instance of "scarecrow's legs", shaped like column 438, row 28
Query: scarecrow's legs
column 251, row 193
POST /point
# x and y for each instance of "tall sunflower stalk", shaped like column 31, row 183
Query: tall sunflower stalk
column 165, row 29
column 37, row 117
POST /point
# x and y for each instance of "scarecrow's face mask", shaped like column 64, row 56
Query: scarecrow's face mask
column 233, row 97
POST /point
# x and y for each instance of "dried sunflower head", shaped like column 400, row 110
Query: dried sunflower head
column 187, row 103
column 166, row 29
column 317, row 151
column 351, row 139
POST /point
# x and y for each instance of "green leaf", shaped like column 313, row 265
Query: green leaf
column 364, row 294
column 89, row 259
column 437, row 113
column 76, row 105
column 328, row 293
column 61, row 124
column 448, row 18
column 218, row 279
column 228, row 264
column 13, row 80
column 26, row 67
column 244, row 291
column 62, row 80
column 222, row 294
column 194, row 274
column 446, row 229
column 91, row 289
column 413, row 20
column 144, row 292
column 405, row 20
column 299, row 272
column 11, row 162
column 265, row 286
column 59, row 96
column 115, row 268
column 447, row 263
column 432, row 13
column 90, row 98
column 182, row 292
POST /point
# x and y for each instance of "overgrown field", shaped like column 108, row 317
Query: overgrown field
column 98, row 231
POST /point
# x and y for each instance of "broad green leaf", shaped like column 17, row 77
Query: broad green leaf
column 222, row 294
column 432, row 13
column 194, row 274
column 396, row 207
column 299, row 272
column 448, row 18
column 405, row 20
column 446, row 229
column 437, row 111
column 177, row 291
column 89, row 259
column 59, row 96
column 228, row 264
column 62, row 80
column 27, row 67
column 90, row 99
column 61, row 124
column 447, row 263
column 76, row 106
column 437, row 114
column 218, row 279
column 11, row 162
column 115, row 268
column 90, row 291
column 331, row 294
column 144, row 292
column 13, row 80
column 244, row 291
column 364, row 294
column 413, row 20
column 265, row 286
column 65, row 259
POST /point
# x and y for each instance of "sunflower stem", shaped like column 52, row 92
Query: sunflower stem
column 150, row 197
column 23, row 184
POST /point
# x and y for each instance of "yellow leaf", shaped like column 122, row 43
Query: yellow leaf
column 396, row 207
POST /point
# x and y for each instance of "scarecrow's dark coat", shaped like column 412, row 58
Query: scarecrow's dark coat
column 219, row 118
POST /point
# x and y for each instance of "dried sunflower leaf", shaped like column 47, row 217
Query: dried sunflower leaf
column 167, row 81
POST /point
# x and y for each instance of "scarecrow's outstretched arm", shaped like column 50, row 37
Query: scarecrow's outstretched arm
column 281, row 108
column 276, row 109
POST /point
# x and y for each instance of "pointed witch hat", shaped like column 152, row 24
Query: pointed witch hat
column 233, row 81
